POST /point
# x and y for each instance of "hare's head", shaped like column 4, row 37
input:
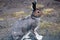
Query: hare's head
column 37, row 13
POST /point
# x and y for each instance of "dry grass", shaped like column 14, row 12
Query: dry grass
column 19, row 14
column 48, row 11
column 52, row 28
column 1, row 19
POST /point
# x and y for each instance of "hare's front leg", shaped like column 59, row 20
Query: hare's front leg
column 39, row 37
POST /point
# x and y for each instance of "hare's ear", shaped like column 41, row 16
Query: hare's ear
column 34, row 6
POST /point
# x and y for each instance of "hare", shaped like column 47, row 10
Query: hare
column 23, row 26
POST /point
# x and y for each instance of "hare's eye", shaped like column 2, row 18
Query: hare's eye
column 38, row 11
